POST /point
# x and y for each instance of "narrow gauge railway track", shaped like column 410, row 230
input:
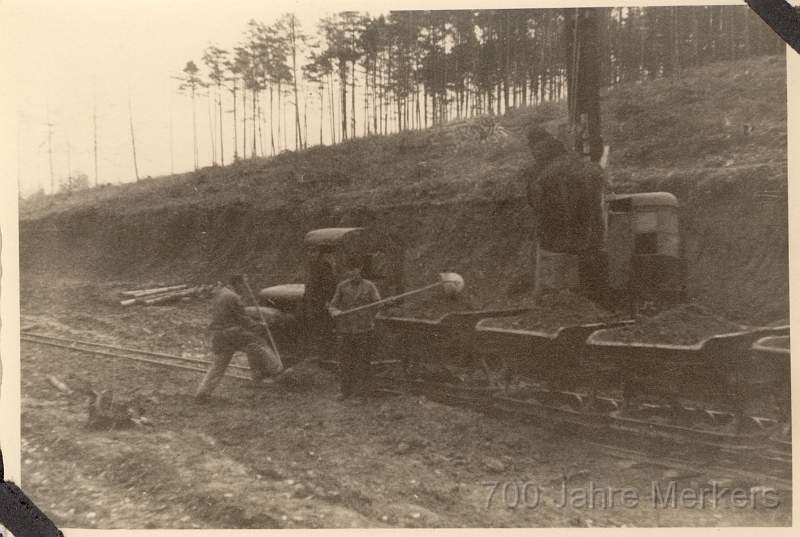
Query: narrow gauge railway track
column 193, row 364
column 759, row 461
column 656, row 450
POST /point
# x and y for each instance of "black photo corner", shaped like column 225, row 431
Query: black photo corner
column 18, row 513
column 782, row 17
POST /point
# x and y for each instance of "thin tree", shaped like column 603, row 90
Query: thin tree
column 234, row 68
column 133, row 138
column 211, row 126
column 171, row 140
column 94, row 121
column 191, row 81
column 215, row 60
column 50, row 150
column 339, row 47
column 294, row 38
column 315, row 72
column 258, row 51
column 243, row 67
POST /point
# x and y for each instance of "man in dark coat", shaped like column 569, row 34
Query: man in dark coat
column 566, row 193
column 320, row 286
column 232, row 331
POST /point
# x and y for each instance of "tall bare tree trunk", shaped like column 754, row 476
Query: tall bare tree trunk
column 235, row 126
column 94, row 121
column 298, row 143
column 271, row 106
column 194, row 131
column 353, row 100
column 321, row 109
column 244, row 121
column 221, row 148
column 212, row 135
column 256, row 127
column 261, row 120
column 133, row 139
column 332, row 108
column 50, row 151
column 343, row 91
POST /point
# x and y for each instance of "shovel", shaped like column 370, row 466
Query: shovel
column 451, row 283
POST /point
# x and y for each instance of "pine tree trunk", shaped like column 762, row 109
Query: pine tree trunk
column 244, row 122
column 133, row 141
column 256, row 126
column 194, row 131
column 211, row 134
column 235, row 127
column 343, row 91
column 353, row 100
column 271, row 126
column 221, row 148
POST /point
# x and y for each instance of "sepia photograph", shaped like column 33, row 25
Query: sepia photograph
column 318, row 267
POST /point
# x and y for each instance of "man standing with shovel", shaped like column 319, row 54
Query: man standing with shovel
column 234, row 331
column 355, row 331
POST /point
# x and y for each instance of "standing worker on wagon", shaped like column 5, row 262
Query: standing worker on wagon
column 234, row 331
column 355, row 331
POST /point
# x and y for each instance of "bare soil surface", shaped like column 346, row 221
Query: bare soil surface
column 272, row 457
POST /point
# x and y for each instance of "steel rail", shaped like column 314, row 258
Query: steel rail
column 192, row 364
column 743, row 462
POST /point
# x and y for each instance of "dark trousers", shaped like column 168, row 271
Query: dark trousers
column 355, row 355
column 224, row 343
column 319, row 337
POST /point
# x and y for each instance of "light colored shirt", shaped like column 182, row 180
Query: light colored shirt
column 351, row 295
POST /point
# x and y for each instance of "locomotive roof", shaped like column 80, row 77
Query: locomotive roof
column 329, row 236
column 357, row 239
column 645, row 198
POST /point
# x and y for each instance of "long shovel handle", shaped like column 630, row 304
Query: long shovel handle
column 391, row 298
column 263, row 320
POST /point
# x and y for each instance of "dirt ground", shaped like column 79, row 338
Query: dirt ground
column 267, row 457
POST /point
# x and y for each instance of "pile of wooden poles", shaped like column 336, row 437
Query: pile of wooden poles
column 164, row 295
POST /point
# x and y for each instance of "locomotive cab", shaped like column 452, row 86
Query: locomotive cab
column 646, row 269
column 380, row 256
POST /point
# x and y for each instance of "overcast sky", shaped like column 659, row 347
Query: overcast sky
column 71, row 57
column 71, row 62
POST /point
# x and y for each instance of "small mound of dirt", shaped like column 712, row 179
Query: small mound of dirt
column 304, row 377
column 555, row 311
column 431, row 307
column 684, row 325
